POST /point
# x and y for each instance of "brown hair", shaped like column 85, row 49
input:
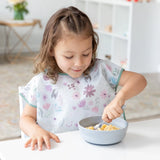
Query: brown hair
column 72, row 20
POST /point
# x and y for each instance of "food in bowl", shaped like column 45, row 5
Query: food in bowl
column 102, row 137
column 104, row 127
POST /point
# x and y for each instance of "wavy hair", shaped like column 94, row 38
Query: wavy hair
column 68, row 19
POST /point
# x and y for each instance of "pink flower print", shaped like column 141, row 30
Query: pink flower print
column 76, row 95
column 44, row 97
column 95, row 109
column 64, row 83
column 71, row 86
column 46, row 106
column 76, row 125
column 74, row 108
column 45, row 77
column 89, row 91
column 82, row 103
column 48, row 88
column 104, row 94
column 78, row 82
column 104, row 105
column 109, row 67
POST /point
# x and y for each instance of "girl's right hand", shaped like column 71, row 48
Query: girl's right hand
column 39, row 137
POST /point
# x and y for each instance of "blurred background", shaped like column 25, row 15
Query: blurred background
column 129, row 34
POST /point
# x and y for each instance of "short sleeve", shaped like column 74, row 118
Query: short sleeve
column 112, row 73
column 29, row 92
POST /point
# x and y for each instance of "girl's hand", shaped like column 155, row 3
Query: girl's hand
column 39, row 137
column 112, row 111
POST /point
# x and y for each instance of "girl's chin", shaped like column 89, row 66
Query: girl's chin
column 76, row 75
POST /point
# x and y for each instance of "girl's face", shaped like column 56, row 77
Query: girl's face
column 73, row 55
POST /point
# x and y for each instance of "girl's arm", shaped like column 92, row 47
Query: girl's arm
column 132, row 84
column 29, row 126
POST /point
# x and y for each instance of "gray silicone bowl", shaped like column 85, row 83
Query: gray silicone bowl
column 102, row 137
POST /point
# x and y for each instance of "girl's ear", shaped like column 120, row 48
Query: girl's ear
column 51, row 52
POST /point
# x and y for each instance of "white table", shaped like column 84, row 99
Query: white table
column 142, row 142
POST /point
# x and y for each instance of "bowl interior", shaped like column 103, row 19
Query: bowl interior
column 91, row 121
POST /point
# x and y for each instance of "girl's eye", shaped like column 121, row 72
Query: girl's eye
column 69, row 57
column 85, row 55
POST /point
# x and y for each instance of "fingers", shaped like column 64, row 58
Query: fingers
column 119, row 110
column 27, row 143
column 106, row 119
column 54, row 137
column 111, row 113
column 47, row 140
column 32, row 142
column 40, row 143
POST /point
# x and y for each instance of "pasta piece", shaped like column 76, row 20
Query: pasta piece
column 104, row 127
column 90, row 127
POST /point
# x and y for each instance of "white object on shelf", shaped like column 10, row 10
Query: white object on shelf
column 127, row 32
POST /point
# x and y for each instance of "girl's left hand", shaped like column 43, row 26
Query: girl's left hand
column 112, row 111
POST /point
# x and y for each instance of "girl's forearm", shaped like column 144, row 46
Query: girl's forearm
column 133, row 86
column 28, row 125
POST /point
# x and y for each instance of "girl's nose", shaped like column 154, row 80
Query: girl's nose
column 78, row 62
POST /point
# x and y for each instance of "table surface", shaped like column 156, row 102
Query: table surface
column 142, row 142
column 20, row 23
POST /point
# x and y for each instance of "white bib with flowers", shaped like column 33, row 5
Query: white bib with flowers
column 60, row 106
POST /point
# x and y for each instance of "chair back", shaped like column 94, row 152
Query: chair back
column 22, row 104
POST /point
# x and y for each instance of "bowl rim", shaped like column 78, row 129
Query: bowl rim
column 105, row 122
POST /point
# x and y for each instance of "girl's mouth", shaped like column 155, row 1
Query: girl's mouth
column 76, row 70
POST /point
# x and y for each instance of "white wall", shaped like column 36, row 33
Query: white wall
column 43, row 9
column 145, row 48
column 39, row 9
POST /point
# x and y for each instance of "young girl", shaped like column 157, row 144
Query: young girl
column 71, row 83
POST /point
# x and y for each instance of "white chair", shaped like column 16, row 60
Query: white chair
column 22, row 104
